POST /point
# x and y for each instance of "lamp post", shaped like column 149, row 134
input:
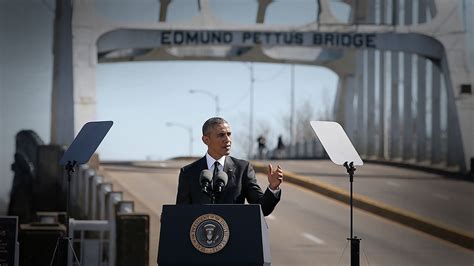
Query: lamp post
column 215, row 97
column 190, row 131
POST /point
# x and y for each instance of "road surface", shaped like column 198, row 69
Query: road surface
column 305, row 229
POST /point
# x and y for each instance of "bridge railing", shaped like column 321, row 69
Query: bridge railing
column 311, row 149
column 101, row 221
column 314, row 150
column 96, row 200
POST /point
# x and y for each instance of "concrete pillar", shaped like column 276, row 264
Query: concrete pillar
column 164, row 9
column 359, row 12
column 362, row 104
column 371, row 8
column 349, row 110
column 85, row 62
column 407, row 91
column 370, row 88
column 394, row 121
column 435, row 114
column 394, row 9
column 421, row 110
column 432, row 11
column 262, row 8
column 381, row 107
column 421, row 94
column 379, row 144
column 382, row 11
column 443, row 120
column 339, row 106
column 62, row 99
column 133, row 237
column 409, row 12
column 359, row 91
column 407, row 102
column 422, row 10
column 454, row 134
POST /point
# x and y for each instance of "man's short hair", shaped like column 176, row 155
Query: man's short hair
column 211, row 123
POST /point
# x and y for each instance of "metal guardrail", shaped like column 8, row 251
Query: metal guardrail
column 90, row 242
column 94, row 239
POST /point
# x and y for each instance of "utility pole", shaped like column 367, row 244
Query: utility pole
column 292, row 105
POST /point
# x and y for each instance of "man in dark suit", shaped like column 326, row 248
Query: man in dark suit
column 241, row 185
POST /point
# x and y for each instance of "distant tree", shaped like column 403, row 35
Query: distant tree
column 241, row 136
column 305, row 112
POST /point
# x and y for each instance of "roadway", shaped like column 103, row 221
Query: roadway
column 441, row 199
column 305, row 229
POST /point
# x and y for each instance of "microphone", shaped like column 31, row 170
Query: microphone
column 221, row 181
column 205, row 179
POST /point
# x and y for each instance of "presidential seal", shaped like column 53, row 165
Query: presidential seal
column 209, row 233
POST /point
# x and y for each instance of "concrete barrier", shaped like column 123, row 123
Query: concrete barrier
column 102, row 208
column 132, row 239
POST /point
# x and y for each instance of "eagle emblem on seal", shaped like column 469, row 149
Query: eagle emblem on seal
column 209, row 233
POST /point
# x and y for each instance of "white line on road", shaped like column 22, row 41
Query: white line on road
column 393, row 184
column 313, row 238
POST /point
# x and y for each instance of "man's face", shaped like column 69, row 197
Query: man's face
column 218, row 140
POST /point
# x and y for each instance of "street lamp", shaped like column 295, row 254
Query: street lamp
column 215, row 97
column 190, row 131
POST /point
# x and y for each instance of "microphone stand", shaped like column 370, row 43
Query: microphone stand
column 217, row 192
column 207, row 189
column 212, row 194
column 355, row 242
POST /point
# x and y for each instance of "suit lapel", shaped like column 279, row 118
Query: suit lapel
column 229, row 169
column 202, row 164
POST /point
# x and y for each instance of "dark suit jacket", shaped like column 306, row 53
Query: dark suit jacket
column 241, row 185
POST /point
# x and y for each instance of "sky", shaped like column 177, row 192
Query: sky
column 141, row 97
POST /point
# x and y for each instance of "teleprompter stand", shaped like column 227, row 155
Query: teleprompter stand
column 355, row 242
column 63, row 244
column 341, row 152
column 79, row 152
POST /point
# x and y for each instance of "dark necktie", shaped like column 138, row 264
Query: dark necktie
column 216, row 169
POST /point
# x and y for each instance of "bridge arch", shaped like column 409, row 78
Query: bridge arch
column 347, row 49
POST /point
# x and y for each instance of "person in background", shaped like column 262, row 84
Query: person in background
column 262, row 146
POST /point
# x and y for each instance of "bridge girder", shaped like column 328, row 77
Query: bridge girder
column 440, row 38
